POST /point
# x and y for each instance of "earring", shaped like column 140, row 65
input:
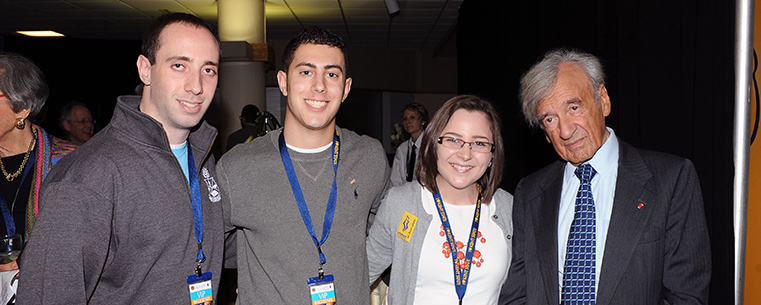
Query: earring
column 20, row 123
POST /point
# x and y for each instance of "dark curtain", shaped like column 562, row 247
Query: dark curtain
column 91, row 71
column 670, row 77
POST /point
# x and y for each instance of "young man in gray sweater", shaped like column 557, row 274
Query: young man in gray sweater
column 119, row 218
column 300, row 197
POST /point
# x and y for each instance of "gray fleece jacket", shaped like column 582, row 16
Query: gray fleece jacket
column 116, row 223
column 385, row 248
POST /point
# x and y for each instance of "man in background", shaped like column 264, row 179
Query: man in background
column 76, row 122
column 247, row 131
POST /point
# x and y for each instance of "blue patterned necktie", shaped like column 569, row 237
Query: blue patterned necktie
column 579, row 269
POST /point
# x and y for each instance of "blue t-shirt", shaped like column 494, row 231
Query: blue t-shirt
column 181, row 153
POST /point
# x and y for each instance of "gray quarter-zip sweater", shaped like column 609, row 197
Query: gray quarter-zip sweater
column 115, row 224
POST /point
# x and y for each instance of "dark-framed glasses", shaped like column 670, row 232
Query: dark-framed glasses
column 476, row 146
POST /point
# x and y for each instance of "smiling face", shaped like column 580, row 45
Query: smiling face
column 80, row 126
column 460, row 168
column 315, row 86
column 571, row 119
column 180, row 85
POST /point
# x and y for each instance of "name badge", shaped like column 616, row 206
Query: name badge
column 322, row 291
column 406, row 226
column 200, row 289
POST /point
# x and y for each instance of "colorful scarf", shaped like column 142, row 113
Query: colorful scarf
column 48, row 151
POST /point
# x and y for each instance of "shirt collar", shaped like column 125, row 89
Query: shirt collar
column 419, row 141
column 605, row 160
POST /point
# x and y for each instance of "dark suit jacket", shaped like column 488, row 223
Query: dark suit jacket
column 657, row 249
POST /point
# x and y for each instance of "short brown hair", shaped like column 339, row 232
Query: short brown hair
column 151, row 36
column 318, row 36
column 427, row 168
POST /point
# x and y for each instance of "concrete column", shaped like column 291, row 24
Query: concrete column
column 242, row 29
column 241, row 20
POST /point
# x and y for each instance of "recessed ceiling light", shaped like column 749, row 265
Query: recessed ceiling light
column 40, row 33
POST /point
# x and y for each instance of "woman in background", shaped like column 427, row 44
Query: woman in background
column 441, row 252
column 414, row 119
column 27, row 152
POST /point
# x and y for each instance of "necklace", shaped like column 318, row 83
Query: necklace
column 10, row 177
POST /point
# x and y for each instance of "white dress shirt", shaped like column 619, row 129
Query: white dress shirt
column 399, row 167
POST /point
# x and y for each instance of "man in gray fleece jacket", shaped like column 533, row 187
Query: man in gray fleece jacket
column 276, row 254
column 116, row 223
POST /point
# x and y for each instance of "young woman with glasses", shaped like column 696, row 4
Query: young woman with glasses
column 448, row 235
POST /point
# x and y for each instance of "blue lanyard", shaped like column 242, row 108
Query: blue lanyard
column 195, row 197
column 303, row 209
column 461, row 275
column 10, row 224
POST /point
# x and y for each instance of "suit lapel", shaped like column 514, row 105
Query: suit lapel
column 627, row 220
column 544, row 210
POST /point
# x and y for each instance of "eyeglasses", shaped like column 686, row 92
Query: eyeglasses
column 82, row 122
column 2, row 95
column 476, row 146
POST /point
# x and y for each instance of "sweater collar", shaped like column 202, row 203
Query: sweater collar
column 145, row 129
